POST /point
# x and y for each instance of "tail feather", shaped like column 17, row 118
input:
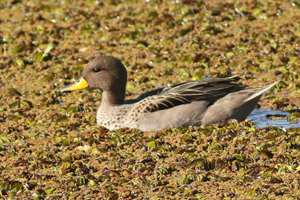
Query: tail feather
column 261, row 91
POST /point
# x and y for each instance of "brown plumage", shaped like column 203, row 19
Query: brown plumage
column 207, row 101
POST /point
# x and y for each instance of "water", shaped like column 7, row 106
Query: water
column 260, row 119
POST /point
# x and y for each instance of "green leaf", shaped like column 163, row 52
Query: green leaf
column 19, row 63
column 151, row 144
column 17, row 49
column 47, row 50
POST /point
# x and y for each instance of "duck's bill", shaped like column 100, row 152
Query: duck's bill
column 79, row 85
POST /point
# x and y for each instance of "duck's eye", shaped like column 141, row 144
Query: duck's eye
column 97, row 69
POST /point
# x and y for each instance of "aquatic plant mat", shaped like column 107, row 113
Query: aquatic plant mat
column 51, row 147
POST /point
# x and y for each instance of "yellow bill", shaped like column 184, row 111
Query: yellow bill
column 79, row 85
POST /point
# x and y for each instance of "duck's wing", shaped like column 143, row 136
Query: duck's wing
column 206, row 87
column 184, row 87
column 208, row 90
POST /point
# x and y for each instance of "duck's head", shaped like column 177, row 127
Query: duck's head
column 103, row 72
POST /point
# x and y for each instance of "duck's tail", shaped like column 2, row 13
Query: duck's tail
column 261, row 91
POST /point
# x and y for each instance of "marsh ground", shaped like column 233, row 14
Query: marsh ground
column 50, row 145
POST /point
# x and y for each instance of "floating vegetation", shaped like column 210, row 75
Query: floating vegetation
column 51, row 147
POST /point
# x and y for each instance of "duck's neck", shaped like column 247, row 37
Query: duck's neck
column 112, row 98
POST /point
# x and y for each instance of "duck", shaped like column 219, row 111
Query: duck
column 206, row 101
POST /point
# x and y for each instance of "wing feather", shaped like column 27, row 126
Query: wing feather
column 209, row 90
